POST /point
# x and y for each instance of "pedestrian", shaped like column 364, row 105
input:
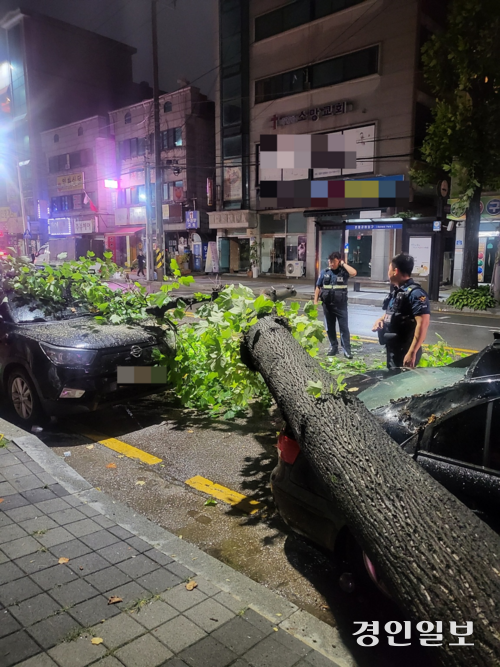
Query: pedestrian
column 331, row 288
column 403, row 327
column 140, row 264
column 33, row 257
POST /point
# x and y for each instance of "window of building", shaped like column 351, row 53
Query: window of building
column 56, row 138
column 231, row 146
column 167, row 107
column 327, row 73
column 297, row 13
column 173, row 191
column 128, row 118
column 80, row 131
column 171, row 138
column 75, row 160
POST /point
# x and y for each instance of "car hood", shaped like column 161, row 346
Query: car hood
column 86, row 333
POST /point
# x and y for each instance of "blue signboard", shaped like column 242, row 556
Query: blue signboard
column 436, row 226
column 382, row 225
column 192, row 219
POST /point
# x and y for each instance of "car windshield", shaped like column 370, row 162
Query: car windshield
column 417, row 381
column 24, row 311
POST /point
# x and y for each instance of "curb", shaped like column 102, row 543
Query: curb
column 305, row 627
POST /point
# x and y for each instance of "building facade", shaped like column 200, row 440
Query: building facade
column 51, row 74
column 349, row 68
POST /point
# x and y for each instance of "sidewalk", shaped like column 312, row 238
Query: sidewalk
column 67, row 548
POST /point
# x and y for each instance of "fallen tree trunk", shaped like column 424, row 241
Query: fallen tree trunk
column 438, row 559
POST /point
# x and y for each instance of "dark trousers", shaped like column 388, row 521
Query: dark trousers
column 333, row 312
column 140, row 270
column 396, row 354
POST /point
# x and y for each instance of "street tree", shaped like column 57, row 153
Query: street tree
column 462, row 68
column 437, row 558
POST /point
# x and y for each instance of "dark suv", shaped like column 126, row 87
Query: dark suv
column 60, row 361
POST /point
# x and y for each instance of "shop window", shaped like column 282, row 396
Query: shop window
column 461, row 437
column 296, row 223
column 268, row 224
column 128, row 118
column 56, row 138
column 80, row 131
column 167, row 107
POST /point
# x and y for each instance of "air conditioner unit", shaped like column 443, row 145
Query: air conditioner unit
column 294, row 269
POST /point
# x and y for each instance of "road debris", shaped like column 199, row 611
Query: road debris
column 114, row 599
column 191, row 585
column 63, row 560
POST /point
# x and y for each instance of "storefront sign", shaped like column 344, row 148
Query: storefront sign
column 84, row 226
column 314, row 113
column 137, row 215
column 6, row 213
column 192, row 219
column 420, row 250
column 59, row 227
column 210, row 192
column 489, row 208
column 481, row 252
column 381, row 225
column 121, row 216
column 232, row 182
column 70, row 182
column 212, row 263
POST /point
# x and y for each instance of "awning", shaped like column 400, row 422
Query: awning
column 125, row 231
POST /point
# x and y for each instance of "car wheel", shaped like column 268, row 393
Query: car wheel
column 23, row 398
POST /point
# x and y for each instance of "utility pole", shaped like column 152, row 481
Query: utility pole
column 149, row 254
column 160, row 235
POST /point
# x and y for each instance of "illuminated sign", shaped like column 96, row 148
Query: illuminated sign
column 110, row 183
column 59, row 227
column 70, row 182
column 84, row 226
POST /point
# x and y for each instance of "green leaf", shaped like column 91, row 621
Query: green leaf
column 314, row 388
column 210, row 502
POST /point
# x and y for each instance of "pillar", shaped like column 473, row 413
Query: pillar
column 381, row 253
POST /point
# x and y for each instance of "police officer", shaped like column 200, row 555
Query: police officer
column 331, row 288
column 404, row 326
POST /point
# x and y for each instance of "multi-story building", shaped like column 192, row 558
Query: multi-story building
column 80, row 172
column 51, row 74
column 187, row 166
column 350, row 67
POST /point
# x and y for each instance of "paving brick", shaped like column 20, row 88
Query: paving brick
column 73, row 501
column 27, row 483
column 99, row 540
column 139, row 545
column 209, row 653
column 158, row 557
column 79, row 654
column 175, row 662
column 230, row 602
column 206, row 586
column 7, row 459
column 17, row 591
column 239, row 635
column 84, row 527
column 292, row 643
column 50, row 506
column 179, row 633
column 47, row 479
column 120, row 532
column 154, row 614
column 39, row 495
column 11, row 532
column 69, row 515
column 40, row 660
column 209, row 615
column 53, row 576
column 93, row 611
column 41, row 522
column 5, row 520
column 15, row 471
column 116, row 553
column 34, row 467
column 59, row 490
column 88, row 564
column 53, row 630
column 110, row 661
column 119, row 630
column 55, row 536
column 35, row 609
column 259, row 621
column 158, row 581
column 142, row 652
column 103, row 521
column 89, row 511
column 15, row 648
column 13, row 501
column 269, row 653
column 36, row 562
column 6, row 489
column 130, row 593
column 21, row 547
column 3, row 558
column 71, row 550
column 73, row 593
column 22, row 457
column 182, row 599
column 138, row 566
column 8, row 623
column 24, row 513
column 9, row 572
column 318, row 660
column 108, row 579
column 180, row 571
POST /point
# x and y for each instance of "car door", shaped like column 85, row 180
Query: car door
column 462, row 451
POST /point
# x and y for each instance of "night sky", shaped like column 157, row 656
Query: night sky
column 187, row 34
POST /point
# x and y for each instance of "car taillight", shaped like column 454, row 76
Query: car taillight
column 288, row 448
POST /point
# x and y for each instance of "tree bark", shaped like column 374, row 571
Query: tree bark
column 471, row 241
column 438, row 559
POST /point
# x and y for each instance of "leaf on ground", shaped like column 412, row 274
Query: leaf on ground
column 190, row 431
column 353, row 389
column 90, row 446
column 114, row 599
column 97, row 640
column 111, row 465
column 1, row 500
column 140, row 482
column 275, row 629
column 191, row 585
column 63, row 560
column 210, row 501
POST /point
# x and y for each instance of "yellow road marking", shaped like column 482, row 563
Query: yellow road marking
column 228, row 496
column 123, row 448
column 364, row 339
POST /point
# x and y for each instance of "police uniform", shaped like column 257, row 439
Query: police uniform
column 333, row 295
column 402, row 305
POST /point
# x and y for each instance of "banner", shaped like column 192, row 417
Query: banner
column 212, row 263
column 70, row 182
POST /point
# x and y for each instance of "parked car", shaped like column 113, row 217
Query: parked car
column 447, row 419
column 59, row 361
